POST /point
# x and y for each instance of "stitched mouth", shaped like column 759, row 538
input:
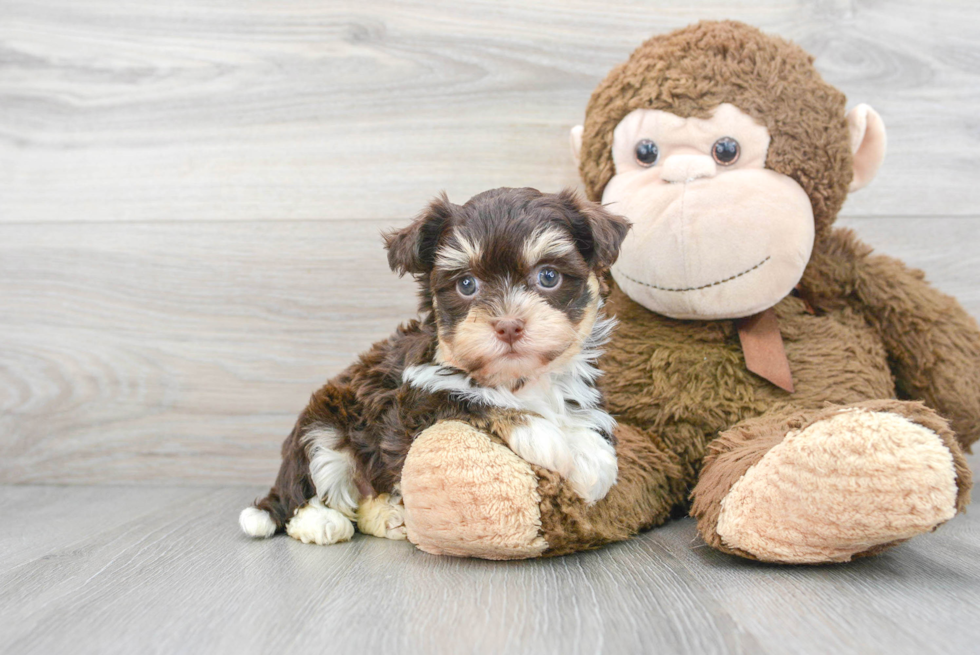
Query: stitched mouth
column 703, row 286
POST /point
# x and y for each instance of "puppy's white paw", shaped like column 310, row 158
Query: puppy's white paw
column 543, row 443
column 382, row 516
column 315, row 524
column 256, row 522
column 581, row 456
column 596, row 467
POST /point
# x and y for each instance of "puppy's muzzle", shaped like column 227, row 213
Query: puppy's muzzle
column 509, row 330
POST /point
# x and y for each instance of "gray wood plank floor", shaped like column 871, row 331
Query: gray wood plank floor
column 144, row 569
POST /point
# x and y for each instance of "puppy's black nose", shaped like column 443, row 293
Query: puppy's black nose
column 509, row 329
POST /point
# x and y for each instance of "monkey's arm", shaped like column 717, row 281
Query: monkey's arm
column 933, row 344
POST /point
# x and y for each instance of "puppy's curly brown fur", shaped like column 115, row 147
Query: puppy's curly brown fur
column 371, row 413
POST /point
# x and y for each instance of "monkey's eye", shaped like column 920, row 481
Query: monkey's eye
column 726, row 151
column 467, row 285
column 548, row 278
column 647, row 153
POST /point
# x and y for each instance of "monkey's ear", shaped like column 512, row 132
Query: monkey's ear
column 575, row 140
column 598, row 233
column 413, row 249
column 868, row 144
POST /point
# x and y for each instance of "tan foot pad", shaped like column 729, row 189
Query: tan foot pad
column 470, row 497
column 840, row 487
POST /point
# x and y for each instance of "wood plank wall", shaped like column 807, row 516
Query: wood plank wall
column 191, row 192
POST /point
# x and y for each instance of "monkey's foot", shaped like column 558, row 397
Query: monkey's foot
column 850, row 484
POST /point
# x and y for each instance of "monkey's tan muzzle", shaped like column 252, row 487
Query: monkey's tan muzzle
column 687, row 168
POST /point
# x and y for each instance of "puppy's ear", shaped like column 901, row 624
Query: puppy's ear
column 413, row 249
column 598, row 233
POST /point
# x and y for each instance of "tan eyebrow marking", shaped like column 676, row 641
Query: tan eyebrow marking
column 459, row 253
column 546, row 242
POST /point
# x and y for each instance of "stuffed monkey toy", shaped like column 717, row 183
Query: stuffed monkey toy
column 806, row 400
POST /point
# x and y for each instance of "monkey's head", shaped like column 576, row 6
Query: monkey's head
column 731, row 156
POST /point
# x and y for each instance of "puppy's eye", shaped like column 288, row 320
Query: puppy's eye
column 726, row 151
column 467, row 285
column 647, row 153
column 548, row 278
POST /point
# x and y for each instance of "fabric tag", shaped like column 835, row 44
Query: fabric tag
column 762, row 346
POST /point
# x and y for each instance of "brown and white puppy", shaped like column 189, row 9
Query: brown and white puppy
column 509, row 329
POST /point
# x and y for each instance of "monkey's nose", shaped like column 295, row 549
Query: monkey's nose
column 687, row 168
column 509, row 329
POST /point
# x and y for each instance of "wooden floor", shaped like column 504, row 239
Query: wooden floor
column 191, row 194
column 143, row 569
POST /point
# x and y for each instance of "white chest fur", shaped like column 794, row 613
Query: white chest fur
column 563, row 431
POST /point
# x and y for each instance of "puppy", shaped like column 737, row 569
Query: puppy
column 509, row 329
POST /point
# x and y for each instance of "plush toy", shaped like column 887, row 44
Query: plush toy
column 806, row 400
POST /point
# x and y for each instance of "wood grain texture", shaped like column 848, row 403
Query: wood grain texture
column 182, row 352
column 178, row 350
column 177, row 576
column 40, row 520
column 216, row 109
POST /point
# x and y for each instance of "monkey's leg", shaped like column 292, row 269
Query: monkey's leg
column 828, row 485
column 467, row 494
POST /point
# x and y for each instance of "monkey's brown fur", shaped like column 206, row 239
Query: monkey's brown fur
column 861, row 331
